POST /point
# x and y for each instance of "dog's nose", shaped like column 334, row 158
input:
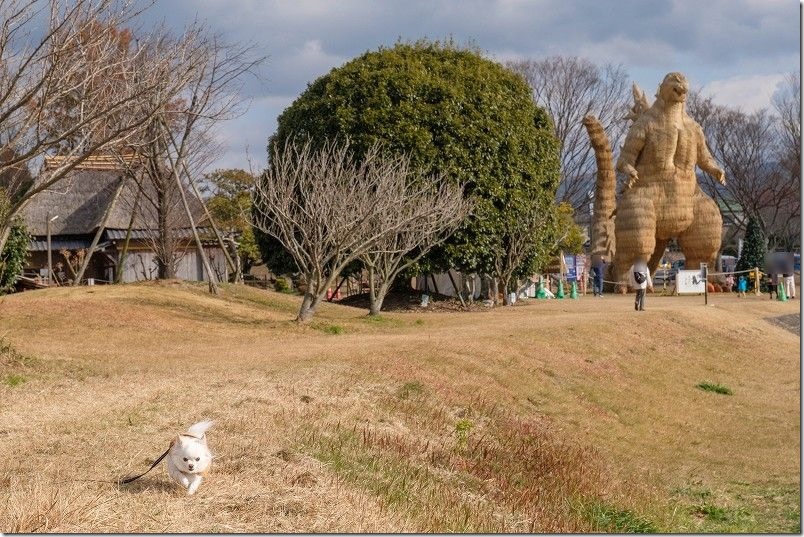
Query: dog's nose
column 190, row 466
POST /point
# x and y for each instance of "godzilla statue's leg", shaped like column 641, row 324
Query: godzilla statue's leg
column 658, row 253
column 635, row 232
column 701, row 241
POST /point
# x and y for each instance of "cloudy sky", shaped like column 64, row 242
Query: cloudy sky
column 735, row 50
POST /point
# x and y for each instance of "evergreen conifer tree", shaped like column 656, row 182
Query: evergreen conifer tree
column 754, row 248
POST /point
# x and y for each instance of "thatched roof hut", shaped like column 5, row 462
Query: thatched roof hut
column 81, row 201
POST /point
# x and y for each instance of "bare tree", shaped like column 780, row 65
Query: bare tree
column 570, row 88
column 520, row 239
column 787, row 104
column 323, row 206
column 177, row 141
column 431, row 212
column 70, row 91
column 762, row 182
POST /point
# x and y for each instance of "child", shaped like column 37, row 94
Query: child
column 742, row 287
column 729, row 283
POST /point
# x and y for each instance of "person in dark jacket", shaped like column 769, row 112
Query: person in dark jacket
column 598, row 269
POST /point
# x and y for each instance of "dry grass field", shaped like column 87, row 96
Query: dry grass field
column 549, row 416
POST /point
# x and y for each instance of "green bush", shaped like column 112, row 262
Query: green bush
column 454, row 113
column 14, row 256
column 283, row 285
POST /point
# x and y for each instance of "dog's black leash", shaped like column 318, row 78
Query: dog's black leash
column 157, row 461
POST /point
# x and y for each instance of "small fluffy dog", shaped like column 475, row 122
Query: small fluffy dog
column 188, row 457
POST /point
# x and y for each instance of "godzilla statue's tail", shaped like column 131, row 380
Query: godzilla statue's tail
column 602, row 231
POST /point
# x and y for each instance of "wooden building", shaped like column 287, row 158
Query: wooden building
column 97, row 201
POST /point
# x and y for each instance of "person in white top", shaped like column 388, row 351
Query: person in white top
column 640, row 281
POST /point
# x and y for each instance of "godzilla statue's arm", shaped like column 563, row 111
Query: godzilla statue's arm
column 705, row 159
column 629, row 154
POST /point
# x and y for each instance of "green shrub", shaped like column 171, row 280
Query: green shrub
column 283, row 285
column 14, row 256
column 454, row 113
column 716, row 388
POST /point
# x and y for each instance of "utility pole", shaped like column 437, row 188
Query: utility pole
column 49, row 251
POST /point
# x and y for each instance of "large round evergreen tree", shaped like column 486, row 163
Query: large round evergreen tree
column 455, row 113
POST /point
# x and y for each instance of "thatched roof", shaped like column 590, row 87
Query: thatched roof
column 80, row 201
column 109, row 162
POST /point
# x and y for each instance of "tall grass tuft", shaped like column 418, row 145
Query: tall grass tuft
column 716, row 388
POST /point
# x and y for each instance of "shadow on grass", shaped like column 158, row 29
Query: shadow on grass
column 150, row 484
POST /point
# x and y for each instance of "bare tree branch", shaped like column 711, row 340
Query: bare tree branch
column 571, row 88
column 325, row 207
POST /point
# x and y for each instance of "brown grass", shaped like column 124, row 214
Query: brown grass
column 551, row 416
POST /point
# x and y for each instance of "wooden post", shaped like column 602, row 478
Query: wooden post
column 335, row 292
column 705, row 275
column 451, row 279
column 229, row 260
column 756, row 281
column 101, row 226
column 49, row 254
column 435, row 285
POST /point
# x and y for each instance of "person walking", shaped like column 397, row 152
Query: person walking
column 640, row 281
column 729, row 283
column 790, row 285
column 742, row 286
column 598, row 269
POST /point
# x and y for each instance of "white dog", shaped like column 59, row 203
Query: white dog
column 189, row 457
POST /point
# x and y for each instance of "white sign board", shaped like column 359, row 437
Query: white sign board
column 690, row 282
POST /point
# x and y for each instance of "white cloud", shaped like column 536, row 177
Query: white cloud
column 749, row 92
column 627, row 51
column 245, row 138
column 726, row 46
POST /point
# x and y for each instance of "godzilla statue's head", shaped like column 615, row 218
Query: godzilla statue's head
column 673, row 88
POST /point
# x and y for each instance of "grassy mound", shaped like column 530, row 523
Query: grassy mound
column 553, row 416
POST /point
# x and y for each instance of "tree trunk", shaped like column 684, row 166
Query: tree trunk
column 164, row 257
column 505, row 282
column 307, row 309
column 5, row 234
column 315, row 294
column 494, row 289
column 309, row 304
column 372, row 286
column 379, row 297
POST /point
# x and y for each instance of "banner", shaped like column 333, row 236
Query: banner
column 572, row 274
column 575, row 265
column 690, row 282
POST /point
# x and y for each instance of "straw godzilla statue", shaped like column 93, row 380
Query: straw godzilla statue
column 661, row 198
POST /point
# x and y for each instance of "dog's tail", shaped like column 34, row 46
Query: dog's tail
column 200, row 428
